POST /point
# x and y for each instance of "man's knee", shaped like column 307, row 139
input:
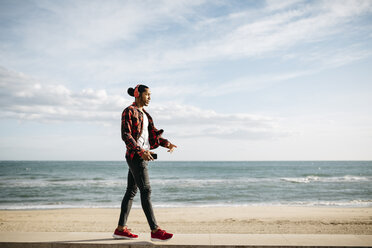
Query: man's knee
column 146, row 190
column 132, row 191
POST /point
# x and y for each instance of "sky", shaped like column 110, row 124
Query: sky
column 230, row 80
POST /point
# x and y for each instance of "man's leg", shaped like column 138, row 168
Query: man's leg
column 138, row 167
column 127, row 201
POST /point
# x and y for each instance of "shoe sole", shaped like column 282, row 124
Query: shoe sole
column 121, row 237
column 161, row 240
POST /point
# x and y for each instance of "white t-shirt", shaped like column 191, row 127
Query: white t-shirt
column 143, row 141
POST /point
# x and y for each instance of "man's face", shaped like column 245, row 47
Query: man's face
column 146, row 97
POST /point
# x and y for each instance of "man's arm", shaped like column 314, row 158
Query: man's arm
column 156, row 136
column 165, row 143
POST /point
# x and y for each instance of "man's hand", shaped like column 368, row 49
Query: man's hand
column 147, row 156
column 171, row 147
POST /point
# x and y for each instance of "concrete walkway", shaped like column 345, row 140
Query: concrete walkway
column 102, row 239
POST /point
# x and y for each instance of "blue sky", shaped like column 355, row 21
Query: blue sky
column 230, row 80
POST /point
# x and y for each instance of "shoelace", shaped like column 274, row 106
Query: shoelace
column 126, row 230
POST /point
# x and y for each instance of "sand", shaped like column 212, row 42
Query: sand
column 248, row 220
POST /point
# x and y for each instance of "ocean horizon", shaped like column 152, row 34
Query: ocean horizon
column 101, row 184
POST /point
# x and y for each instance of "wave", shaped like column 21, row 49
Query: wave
column 310, row 179
column 97, row 182
column 62, row 182
column 178, row 182
column 85, row 205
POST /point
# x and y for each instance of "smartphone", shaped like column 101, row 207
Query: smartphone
column 154, row 155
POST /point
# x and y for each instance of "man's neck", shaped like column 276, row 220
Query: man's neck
column 139, row 105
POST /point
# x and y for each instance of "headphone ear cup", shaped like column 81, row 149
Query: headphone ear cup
column 136, row 93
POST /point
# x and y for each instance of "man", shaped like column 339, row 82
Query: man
column 140, row 135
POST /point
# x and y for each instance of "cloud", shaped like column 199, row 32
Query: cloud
column 336, row 57
column 318, row 61
column 295, row 28
column 84, row 43
column 26, row 99
column 94, row 42
column 245, row 35
column 191, row 122
column 273, row 5
column 254, row 83
column 68, row 26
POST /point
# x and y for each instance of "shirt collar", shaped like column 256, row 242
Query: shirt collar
column 135, row 105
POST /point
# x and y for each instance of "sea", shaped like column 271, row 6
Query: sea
column 102, row 184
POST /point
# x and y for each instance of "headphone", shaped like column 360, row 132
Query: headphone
column 136, row 93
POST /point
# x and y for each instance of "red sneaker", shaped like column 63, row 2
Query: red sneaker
column 161, row 235
column 125, row 234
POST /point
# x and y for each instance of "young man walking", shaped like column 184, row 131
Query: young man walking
column 140, row 135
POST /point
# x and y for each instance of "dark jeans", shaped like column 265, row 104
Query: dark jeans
column 138, row 176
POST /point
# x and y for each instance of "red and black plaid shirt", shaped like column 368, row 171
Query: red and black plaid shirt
column 131, row 130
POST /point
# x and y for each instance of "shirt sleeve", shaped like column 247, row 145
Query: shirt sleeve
column 163, row 142
column 157, row 135
column 126, row 132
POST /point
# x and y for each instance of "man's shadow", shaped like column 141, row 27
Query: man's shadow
column 126, row 241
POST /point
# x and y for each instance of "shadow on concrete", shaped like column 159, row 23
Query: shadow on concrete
column 125, row 241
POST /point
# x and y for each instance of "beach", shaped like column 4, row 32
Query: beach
column 274, row 197
column 238, row 220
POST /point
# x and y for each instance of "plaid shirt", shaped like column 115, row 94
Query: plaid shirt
column 131, row 130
